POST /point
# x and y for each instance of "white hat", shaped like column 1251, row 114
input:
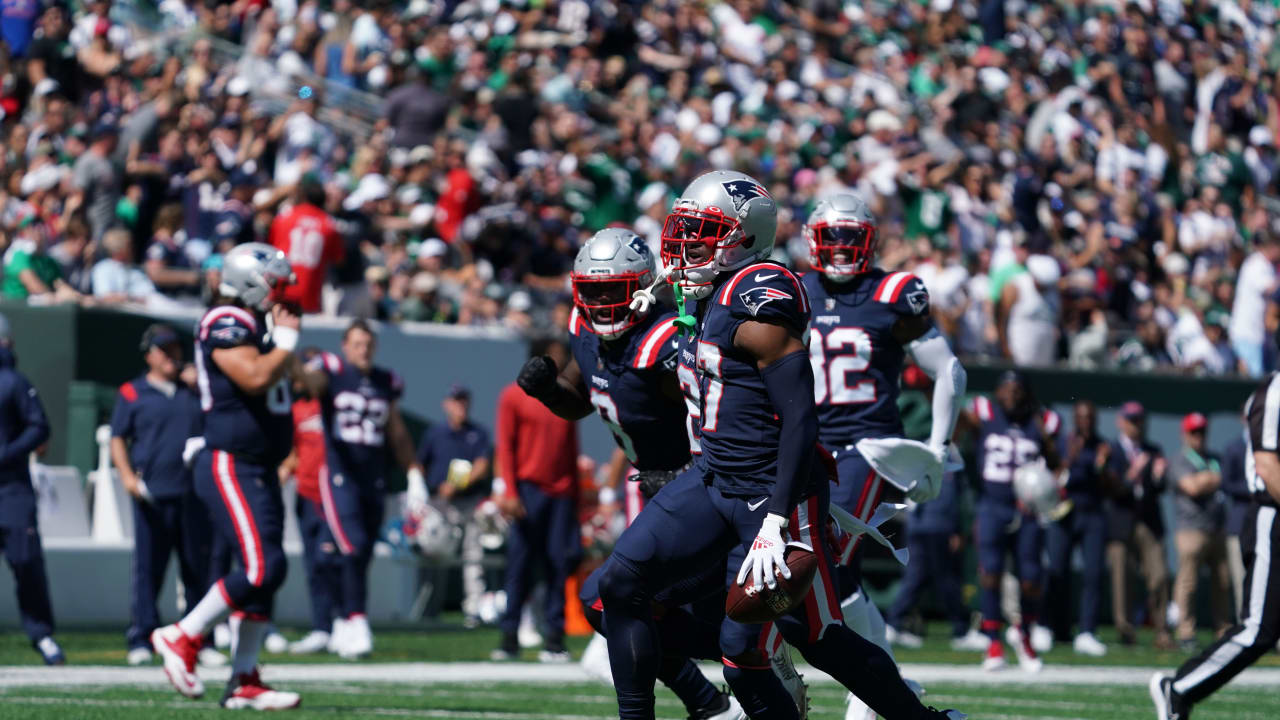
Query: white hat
column 423, row 283
column 238, row 86
column 520, row 301
column 371, row 187
column 45, row 177
column 883, row 120
column 1044, row 270
column 433, row 247
column 1260, row 135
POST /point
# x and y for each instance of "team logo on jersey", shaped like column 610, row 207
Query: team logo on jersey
column 600, row 382
column 918, row 299
column 756, row 297
column 742, row 191
column 230, row 333
column 830, row 303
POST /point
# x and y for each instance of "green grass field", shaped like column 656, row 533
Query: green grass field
column 143, row 697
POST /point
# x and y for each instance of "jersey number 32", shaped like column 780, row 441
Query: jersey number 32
column 831, row 373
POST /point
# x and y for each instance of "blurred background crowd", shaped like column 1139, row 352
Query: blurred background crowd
column 1084, row 182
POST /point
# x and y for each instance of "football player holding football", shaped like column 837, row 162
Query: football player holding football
column 865, row 323
column 756, row 484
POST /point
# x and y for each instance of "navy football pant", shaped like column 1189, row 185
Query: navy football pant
column 324, row 566
column 687, row 528
column 162, row 528
column 859, row 493
column 22, row 550
column 1002, row 529
column 246, row 508
column 932, row 564
column 353, row 511
column 1086, row 529
column 548, row 536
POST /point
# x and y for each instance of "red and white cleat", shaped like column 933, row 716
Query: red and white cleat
column 995, row 656
column 1027, row 658
column 179, row 651
column 248, row 692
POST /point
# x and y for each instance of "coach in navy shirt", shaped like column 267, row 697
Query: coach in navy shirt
column 154, row 416
column 23, row 428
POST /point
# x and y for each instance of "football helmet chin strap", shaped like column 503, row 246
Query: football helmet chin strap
column 932, row 353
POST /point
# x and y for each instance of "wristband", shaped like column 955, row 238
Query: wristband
column 285, row 338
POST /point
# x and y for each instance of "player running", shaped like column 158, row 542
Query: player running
column 1012, row 432
column 244, row 346
column 756, row 484
column 359, row 403
column 623, row 367
column 865, row 323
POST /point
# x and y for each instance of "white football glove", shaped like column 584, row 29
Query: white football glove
column 416, row 495
column 766, row 554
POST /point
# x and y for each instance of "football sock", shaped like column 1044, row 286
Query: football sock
column 246, row 642
column 865, row 670
column 211, row 608
column 687, row 682
column 990, row 601
column 760, row 692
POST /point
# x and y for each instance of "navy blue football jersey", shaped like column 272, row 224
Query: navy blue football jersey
column 623, row 378
column 258, row 428
column 1005, row 446
column 856, row 360
column 739, row 434
column 355, row 409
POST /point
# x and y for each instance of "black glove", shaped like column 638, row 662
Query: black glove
column 538, row 377
column 651, row 481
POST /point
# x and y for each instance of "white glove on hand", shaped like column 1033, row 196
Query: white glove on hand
column 191, row 449
column 767, row 553
column 144, row 492
column 930, row 483
column 416, row 495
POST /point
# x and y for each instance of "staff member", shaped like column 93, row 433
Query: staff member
column 23, row 428
column 1235, row 486
column 1259, row 626
column 1196, row 478
column 537, row 454
column 455, row 459
column 154, row 415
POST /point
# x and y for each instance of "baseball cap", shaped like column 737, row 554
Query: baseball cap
column 1133, row 410
column 1011, row 376
column 1193, row 422
column 458, row 391
column 158, row 335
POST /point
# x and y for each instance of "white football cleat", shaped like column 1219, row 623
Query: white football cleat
column 595, row 660
column 903, row 638
column 995, row 656
column 248, row 692
column 972, row 641
column 275, row 643
column 210, row 658
column 857, row 710
column 528, row 635
column 1089, row 644
column 359, row 638
column 792, row 680
column 337, row 636
column 314, row 642
column 554, row 657
column 138, row 656
column 178, row 651
column 1027, row 658
column 732, row 712
column 1041, row 638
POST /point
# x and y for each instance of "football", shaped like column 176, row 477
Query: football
column 750, row 604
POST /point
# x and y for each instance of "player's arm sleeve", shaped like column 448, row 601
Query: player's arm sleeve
column 933, row 354
column 35, row 426
column 789, row 382
column 506, row 439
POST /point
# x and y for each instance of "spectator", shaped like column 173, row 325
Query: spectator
column 1134, row 525
column 116, row 278
column 168, row 265
column 415, row 111
column 1196, row 477
column 1235, row 488
column 536, row 455
column 309, row 238
column 29, row 271
column 455, row 458
column 1256, row 282
column 1089, row 477
column 96, row 178
column 1029, row 305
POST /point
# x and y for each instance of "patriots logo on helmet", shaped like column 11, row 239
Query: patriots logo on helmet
column 742, row 191
column 636, row 243
column 756, row 297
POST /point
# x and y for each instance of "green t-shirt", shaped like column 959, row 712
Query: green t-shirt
column 1002, row 276
column 927, row 211
column 45, row 268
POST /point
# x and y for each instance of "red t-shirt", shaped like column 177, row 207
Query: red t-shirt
column 535, row 446
column 308, row 440
column 311, row 241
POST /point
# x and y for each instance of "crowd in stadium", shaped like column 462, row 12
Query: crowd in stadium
column 1094, row 183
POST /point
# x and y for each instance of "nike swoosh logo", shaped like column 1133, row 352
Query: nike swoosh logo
column 753, row 506
column 762, row 278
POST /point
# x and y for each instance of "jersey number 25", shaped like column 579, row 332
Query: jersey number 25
column 830, row 374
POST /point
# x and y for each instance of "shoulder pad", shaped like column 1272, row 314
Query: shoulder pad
column 1052, row 422
column 129, row 392
column 766, row 290
column 576, row 323
column 655, row 347
column 228, row 326
column 904, row 293
column 325, row 362
column 982, row 408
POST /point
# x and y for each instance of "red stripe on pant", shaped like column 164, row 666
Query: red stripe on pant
column 868, row 501
column 241, row 516
column 331, row 516
column 821, row 606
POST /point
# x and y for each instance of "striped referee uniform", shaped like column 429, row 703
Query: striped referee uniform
column 1259, row 626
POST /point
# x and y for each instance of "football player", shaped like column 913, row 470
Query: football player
column 866, row 321
column 1012, row 432
column 756, row 484
column 623, row 368
column 243, row 350
column 359, row 403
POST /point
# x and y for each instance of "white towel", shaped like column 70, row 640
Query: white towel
column 856, row 527
column 909, row 465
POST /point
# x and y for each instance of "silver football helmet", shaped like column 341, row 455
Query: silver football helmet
column 256, row 274
column 1037, row 488
column 842, row 237
column 609, row 268
column 723, row 221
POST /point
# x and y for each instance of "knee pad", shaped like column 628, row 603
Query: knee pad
column 622, row 587
column 740, row 644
